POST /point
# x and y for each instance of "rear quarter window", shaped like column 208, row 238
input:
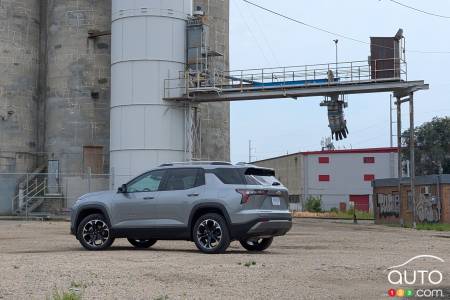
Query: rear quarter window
column 229, row 175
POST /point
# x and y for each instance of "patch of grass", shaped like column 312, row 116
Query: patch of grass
column 360, row 215
column 250, row 263
column 162, row 297
column 77, row 285
column 433, row 226
column 424, row 226
column 65, row 296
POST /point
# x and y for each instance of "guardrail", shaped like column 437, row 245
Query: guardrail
column 285, row 77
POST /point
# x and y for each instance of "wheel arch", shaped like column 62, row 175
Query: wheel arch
column 204, row 208
column 91, row 209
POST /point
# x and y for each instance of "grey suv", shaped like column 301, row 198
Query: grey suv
column 209, row 203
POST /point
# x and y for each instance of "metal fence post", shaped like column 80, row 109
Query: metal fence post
column 26, row 198
column 89, row 179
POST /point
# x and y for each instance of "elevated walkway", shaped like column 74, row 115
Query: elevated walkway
column 359, row 77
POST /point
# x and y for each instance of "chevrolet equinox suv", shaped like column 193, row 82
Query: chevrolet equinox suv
column 209, row 203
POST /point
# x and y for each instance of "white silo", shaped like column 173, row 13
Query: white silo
column 148, row 46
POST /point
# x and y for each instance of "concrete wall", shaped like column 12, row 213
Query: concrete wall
column 215, row 117
column 289, row 170
column 78, row 81
column 19, row 95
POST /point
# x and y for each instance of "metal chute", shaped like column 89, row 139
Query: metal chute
column 336, row 118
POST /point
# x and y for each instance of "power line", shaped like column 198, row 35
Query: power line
column 420, row 10
column 251, row 32
column 334, row 33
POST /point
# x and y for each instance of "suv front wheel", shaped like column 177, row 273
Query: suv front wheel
column 210, row 234
column 94, row 233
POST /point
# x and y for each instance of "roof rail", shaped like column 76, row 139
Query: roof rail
column 193, row 163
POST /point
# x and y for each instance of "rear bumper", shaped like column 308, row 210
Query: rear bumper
column 261, row 228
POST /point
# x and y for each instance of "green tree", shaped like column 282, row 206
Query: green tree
column 432, row 147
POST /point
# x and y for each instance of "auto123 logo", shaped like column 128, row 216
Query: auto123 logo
column 413, row 279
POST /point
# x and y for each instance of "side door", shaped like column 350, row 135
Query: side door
column 137, row 208
column 182, row 188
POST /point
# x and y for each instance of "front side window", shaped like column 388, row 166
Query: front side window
column 149, row 182
column 184, row 179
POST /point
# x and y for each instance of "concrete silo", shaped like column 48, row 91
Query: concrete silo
column 78, row 81
column 215, row 117
column 19, row 95
column 148, row 47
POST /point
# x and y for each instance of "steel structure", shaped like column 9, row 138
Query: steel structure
column 359, row 77
column 287, row 82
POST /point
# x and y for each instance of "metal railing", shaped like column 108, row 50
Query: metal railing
column 353, row 72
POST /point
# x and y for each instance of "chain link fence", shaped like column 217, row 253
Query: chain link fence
column 41, row 194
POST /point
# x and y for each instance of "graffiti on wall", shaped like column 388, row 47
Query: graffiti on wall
column 389, row 205
column 427, row 208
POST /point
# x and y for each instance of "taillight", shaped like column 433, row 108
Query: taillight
column 247, row 193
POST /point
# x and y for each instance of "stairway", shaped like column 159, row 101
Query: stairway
column 32, row 192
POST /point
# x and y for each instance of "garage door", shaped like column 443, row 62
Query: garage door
column 361, row 202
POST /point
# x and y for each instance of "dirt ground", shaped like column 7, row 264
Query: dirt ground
column 316, row 260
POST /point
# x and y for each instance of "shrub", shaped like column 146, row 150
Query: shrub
column 334, row 210
column 313, row 204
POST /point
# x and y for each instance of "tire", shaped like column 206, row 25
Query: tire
column 256, row 244
column 142, row 244
column 94, row 233
column 210, row 234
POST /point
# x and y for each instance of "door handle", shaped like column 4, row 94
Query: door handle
column 193, row 195
column 149, row 198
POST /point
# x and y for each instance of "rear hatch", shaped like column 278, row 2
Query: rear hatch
column 263, row 190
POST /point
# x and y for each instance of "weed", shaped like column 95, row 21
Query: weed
column 65, row 295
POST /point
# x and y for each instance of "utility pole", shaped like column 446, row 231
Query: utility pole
column 249, row 151
column 391, row 122
column 337, row 57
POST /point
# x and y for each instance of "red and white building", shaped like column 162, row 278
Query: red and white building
column 338, row 177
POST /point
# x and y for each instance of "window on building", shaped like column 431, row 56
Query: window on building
column 369, row 160
column 324, row 178
column 93, row 159
column 369, row 177
column 324, row 160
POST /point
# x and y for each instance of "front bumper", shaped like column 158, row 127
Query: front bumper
column 261, row 228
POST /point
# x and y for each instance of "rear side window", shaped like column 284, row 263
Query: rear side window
column 261, row 177
column 229, row 175
column 184, row 179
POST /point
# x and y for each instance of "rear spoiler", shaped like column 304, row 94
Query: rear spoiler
column 259, row 171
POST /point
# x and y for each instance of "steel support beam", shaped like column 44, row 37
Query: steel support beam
column 412, row 165
column 399, row 159
column 399, row 88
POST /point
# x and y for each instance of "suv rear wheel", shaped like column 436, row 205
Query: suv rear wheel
column 94, row 233
column 142, row 243
column 210, row 234
column 256, row 244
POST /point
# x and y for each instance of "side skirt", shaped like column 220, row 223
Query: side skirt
column 159, row 233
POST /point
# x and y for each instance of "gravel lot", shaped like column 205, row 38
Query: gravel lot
column 316, row 260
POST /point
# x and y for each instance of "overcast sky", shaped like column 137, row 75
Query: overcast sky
column 259, row 39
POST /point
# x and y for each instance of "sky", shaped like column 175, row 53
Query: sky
column 259, row 39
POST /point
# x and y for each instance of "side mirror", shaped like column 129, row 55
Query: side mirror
column 122, row 189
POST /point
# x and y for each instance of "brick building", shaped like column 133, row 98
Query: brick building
column 338, row 177
column 432, row 195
